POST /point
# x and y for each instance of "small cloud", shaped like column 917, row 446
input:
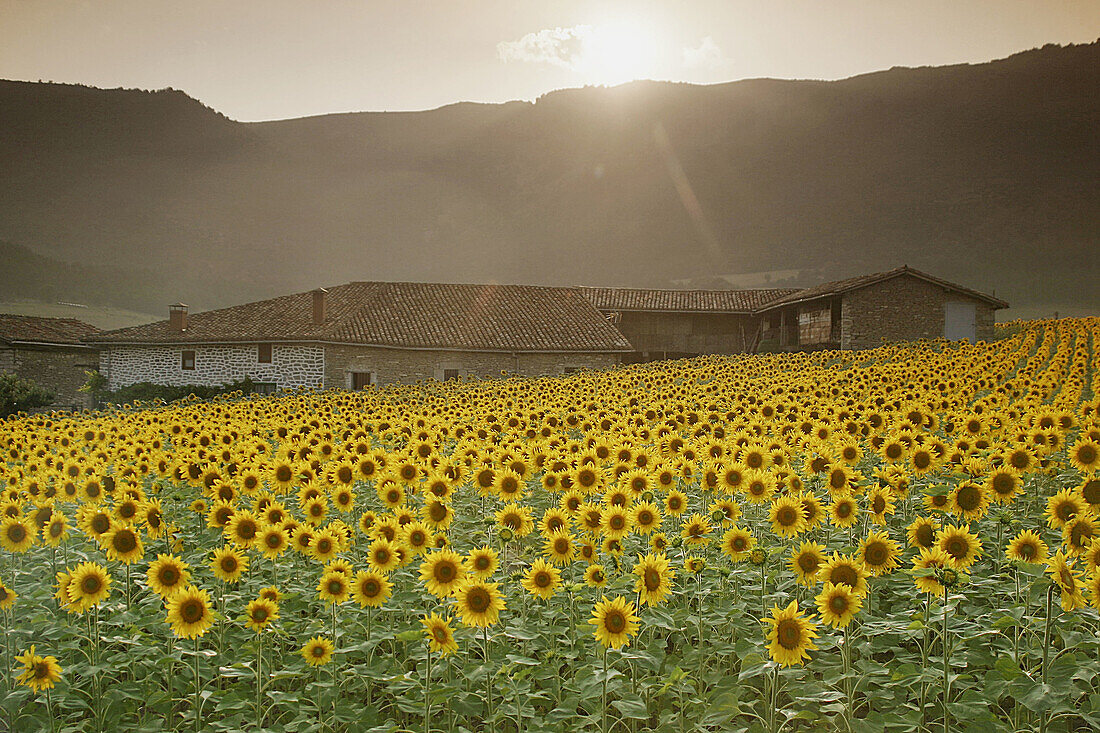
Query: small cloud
column 562, row 47
column 706, row 56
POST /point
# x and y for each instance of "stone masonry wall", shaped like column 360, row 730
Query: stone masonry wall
column 291, row 365
column 406, row 366
column 60, row 370
column 904, row 308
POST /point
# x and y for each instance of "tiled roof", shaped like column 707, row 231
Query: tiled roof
column 854, row 283
column 38, row 329
column 683, row 301
column 405, row 315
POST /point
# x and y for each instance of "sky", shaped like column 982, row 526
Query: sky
column 276, row 59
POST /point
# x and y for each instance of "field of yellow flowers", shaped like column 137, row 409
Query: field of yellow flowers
column 890, row 540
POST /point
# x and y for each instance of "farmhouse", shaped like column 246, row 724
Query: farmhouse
column 373, row 333
column 48, row 351
column 367, row 333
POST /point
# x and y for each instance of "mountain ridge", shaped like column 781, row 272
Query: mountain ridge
column 964, row 171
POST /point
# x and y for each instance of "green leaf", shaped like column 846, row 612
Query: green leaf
column 633, row 708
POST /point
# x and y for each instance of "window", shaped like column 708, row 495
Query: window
column 263, row 353
column 361, row 380
column 264, row 388
column 449, row 374
column 570, row 370
column 187, row 360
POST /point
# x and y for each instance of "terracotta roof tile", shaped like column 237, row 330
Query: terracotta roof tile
column 38, row 329
column 408, row 315
column 683, row 301
column 854, row 283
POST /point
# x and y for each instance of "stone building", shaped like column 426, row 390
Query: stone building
column 368, row 333
column 374, row 333
column 49, row 351
column 863, row 312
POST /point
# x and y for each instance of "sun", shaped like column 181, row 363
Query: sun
column 617, row 52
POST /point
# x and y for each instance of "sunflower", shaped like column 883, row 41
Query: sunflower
column 440, row 636
column 696, row 530
column 791, row 636
column 1061, row 570
column 542, row 579
column 969, row 500
column 926, row 567
column 242, row 529
column 737, row 543
column 615, row 522
column 479, row 603
column 1085, row 456
column 260, row 613
column 838, row 605
column 1079, row 533
column 806, row 562
column 516, row 519
column 16, row 534
column 759, row 486
column 880, row 502
column 39, row 673
column 594, row 576
column 811, row 509
column 615, row 622
column 560, row 548
column 442, row 572
column 1003, row 484
column 318, row 651
column 437, row 514
column 167, row 574
column 878, row 553
column 8, row 596
column 371, row 588
column 189, row 612
column 1064, row 506
column 844, row 511
column 228, row 564
column 842, row 569
column 1027, row 547
column 333, row 587
column 963, row 547
column 273, row 541
column 123, row 544
column 325, row 545
column 481, row 562
column 654, row 578
column 382, row 555
column 55, row 529
column 676, row 503
column 89, row 585
column 922, row 532
column 787, row 517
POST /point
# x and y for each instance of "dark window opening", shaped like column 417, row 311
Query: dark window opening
column 570, row 370
column 187, row 360
column 449, row 374
column 361, row 380
column 264, row 388
column 263, row 353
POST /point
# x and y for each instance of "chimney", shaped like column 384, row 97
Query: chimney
column 319, row 306
column 177, row 317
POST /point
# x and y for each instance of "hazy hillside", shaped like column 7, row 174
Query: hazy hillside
column 987, row 174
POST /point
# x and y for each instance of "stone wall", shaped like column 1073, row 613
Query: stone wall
column 58, row 369
column 903, row 308
column 291, row 366
column 688, row 333
column 406, row 366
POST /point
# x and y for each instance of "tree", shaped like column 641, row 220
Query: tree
column 21, row 394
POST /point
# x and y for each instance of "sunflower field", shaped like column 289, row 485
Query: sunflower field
column 902, row 539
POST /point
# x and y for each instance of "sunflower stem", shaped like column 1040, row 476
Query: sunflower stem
column 488, row 681
column 603, row 707
column 49, row 709
column 198, row 688
column 1046, row 651
column 259, row 677
column 334, row 695
column 946, row 666
column 427, row 686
